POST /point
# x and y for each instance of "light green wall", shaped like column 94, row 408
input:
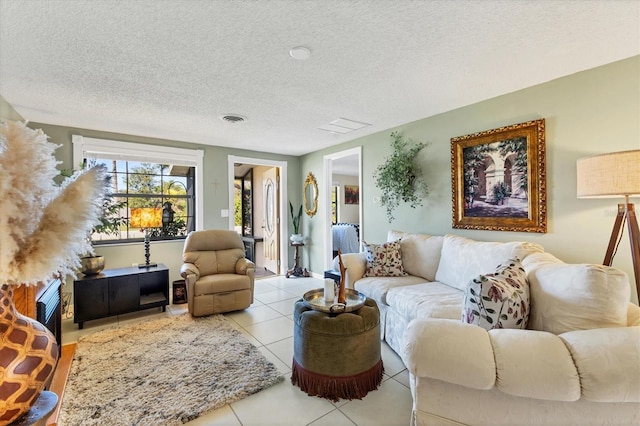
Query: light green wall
column 216, row 191
column 587, row 113
column 7, row 112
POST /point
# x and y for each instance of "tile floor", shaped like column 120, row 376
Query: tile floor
column 268, row 325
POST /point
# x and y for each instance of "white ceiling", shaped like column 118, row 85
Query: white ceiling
column 169, row 69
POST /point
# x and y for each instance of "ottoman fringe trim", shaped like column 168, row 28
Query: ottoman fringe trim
column 337, row 387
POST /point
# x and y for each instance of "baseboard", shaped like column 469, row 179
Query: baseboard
column 60, row 376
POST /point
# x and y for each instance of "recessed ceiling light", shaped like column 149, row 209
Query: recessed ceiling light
column 233, row 118
column 300, row 53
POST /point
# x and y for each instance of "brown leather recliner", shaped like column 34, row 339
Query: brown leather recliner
column 218, row 276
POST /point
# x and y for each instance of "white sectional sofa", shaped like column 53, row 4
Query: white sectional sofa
column 576, row 363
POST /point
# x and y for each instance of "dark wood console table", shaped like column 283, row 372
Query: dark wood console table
column 120, row 291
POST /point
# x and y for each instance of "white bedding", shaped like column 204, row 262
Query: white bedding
column 345, row 239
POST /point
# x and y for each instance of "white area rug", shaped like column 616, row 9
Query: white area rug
column 162, row 372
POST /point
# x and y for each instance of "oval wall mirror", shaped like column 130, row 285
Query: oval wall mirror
column 310, row 193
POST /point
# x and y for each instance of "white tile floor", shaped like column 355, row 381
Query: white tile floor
column 268, row 324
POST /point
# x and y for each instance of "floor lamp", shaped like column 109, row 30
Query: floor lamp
column 616, row 174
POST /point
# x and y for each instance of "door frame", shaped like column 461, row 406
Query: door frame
column 326, row 189
column 282, row 189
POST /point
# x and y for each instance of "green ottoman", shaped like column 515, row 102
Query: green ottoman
column 337, row 355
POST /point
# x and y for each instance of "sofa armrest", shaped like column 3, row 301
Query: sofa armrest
column 189, row 269
column 599, row 365
column 356, row 264
column 633, row 315
column 451, row 351
column 243, row 264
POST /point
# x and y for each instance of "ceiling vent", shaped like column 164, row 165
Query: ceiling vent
column 233, row 118
column 343, row 126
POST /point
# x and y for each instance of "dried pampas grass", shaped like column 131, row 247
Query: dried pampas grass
column 43, row 226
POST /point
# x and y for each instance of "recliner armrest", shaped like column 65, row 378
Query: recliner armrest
column 243, row 264
column 189, row 269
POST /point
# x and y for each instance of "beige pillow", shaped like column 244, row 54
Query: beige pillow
column 567, row 297
column 420, row 253
column 463, row 259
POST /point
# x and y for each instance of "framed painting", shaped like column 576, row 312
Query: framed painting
column 499, row 179
column 351, row 194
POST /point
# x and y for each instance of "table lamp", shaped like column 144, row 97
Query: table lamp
column 615, row 174
column 146, row 218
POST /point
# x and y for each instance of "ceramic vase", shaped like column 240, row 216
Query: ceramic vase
column 28, row 356
column 92, row 265
column 296, row 238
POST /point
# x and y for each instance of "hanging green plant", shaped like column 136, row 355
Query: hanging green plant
column 400, row 176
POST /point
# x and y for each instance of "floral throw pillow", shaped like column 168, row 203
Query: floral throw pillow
column 384, row 260
column 499, row 299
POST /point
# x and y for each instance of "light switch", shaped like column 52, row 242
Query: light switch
column 224, row 213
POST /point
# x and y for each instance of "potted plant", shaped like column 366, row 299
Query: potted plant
column 109, row 223
column 400, row 176
column 500, row 192
column 296, row 237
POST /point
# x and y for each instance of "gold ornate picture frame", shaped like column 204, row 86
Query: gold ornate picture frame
column 499, row 179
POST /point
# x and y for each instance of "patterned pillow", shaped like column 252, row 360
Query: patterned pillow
column 384, row 260
column 499, row 299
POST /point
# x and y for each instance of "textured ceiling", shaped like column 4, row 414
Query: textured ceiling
column 169, row 69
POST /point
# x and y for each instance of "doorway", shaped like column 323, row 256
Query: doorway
column 260, row 228
column 342, row 175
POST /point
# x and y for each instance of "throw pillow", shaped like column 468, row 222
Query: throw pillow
column 499, row 299
column 384, row 260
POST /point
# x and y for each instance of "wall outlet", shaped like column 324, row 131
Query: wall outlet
column 134, row 264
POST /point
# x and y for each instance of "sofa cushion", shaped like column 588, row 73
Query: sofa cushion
column 608, row 362
column 420, row 253
column 377, row 287
column 384, row 260
column 463, row 259
column 426, row 300
column 499, row 299
column 568, row 297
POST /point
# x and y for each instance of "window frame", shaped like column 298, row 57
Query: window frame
column 86, row 148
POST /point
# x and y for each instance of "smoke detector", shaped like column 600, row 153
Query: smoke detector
column 233, row 118
column 300, row 53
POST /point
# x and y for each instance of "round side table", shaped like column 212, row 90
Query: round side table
column 297, row 271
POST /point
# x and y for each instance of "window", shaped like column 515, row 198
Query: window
column 153, row 188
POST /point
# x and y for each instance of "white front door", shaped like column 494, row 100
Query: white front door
column 270, row 185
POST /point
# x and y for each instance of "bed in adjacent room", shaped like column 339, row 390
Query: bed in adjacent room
column 346, row 238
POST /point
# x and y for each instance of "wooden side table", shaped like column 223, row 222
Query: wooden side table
column 297, row 271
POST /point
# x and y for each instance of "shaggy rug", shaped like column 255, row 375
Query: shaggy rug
column 162, row 372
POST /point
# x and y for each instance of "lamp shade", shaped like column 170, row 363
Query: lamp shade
column 609, row 175
column 146, row 217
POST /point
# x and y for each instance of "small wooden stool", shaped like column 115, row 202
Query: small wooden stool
column 337, row 355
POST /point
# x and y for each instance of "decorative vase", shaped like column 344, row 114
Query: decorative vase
column 92, row 265
column 28, row 356
column 296, row 238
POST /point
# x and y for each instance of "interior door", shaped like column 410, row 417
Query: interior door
column 270, row 184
